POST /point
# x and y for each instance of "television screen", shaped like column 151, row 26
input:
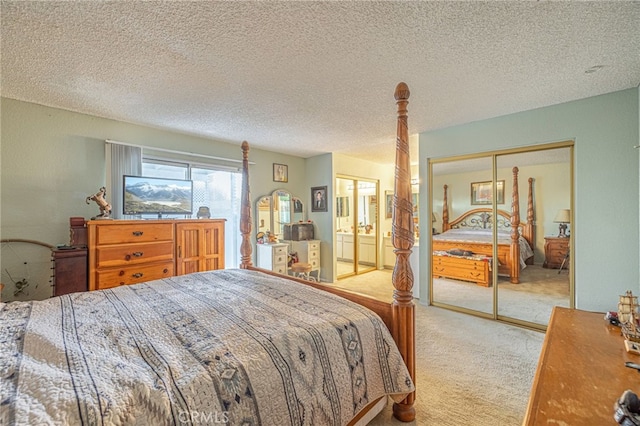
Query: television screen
column 151, row 195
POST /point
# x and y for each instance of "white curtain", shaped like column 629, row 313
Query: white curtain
column 121, row 160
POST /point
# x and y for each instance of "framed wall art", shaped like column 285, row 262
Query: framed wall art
column 280, row 173
column 319, row 199
column 482, row 192
column 388, row 206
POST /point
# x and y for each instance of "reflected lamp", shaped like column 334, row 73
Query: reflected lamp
column 563, row 217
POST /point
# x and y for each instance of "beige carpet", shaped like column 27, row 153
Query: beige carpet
column 532, row 300
column 469, row 371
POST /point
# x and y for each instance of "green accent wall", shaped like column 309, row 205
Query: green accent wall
column 606, row 177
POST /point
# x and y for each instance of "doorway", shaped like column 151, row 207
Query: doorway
column 357, row 225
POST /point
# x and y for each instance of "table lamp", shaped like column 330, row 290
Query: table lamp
column 563, row 217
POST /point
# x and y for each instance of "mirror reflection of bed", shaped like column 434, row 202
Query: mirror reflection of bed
column 528, row 298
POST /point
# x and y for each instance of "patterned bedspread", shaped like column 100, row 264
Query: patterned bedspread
column 486, row 236
column 223, row 347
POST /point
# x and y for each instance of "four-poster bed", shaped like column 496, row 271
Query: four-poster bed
column 235, row 346
column 472, row 232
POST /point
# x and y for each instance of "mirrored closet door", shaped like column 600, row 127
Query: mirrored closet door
column 463, row 241
column 356, row 226
column 502, row 233
column 544, row 186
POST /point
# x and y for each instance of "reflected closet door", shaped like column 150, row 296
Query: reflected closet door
column 356, row 226
column 345, row 224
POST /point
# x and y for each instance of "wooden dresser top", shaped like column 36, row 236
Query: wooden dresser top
column 581, row 371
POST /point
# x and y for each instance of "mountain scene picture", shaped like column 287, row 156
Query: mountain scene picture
column 143, row 195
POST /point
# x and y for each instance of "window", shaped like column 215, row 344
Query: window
column 215, row 187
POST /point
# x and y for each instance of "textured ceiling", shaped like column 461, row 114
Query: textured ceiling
column 306, row 78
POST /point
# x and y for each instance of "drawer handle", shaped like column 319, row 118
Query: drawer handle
column 135, row 254
column 137, row 233
column 165, row 270
column 137, row 275
column 121, row 273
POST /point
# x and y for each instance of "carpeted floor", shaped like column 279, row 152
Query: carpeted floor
column 469, row 370
column 532, row 300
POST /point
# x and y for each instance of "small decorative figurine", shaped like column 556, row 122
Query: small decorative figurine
column 203, row 213
column 99, row 198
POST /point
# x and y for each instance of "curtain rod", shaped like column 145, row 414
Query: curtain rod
column 173, row 151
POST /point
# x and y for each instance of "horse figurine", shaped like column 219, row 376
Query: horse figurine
column 105, row 207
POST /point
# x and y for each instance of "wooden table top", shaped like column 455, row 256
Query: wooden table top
column 581, row 372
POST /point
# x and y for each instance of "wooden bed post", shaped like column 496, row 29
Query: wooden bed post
column 245, row 211
column 403, row 239
column 515, row 230
column 445, row 211
column 527, row 231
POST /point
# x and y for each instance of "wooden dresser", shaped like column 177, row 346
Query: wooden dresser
column 555, row 250
column 123, row 252
column 581, row 371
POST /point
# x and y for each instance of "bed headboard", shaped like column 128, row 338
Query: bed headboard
column 481, row 218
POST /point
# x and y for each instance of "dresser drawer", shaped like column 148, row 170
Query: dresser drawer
column 314, row 254
column 280, row 250
column 315, row 263
column 133, row 233
column 131, row 254
column 133, row 274
column 280, row 259
column 280, row 268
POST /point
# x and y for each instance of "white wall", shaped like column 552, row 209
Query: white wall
column 606, row 178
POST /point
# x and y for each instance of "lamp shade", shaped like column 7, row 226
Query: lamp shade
column 563, row 216
column 433, row 217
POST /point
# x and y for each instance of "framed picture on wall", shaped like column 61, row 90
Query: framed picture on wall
column 319, row 199
column 388, row 206
column 280, row 173
column 482, row 192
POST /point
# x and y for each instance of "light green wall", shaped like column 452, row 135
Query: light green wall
column 51, row 159
column 319, row 172
column 606, row 182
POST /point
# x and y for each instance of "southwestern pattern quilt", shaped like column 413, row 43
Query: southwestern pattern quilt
column 230, row 347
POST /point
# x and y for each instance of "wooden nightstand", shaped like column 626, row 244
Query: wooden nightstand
column 555, row 251
column 69, row 271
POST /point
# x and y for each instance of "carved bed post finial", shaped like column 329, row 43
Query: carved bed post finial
column 245, row 211
column 403, row 239
column 515, row 230
column 530, row 202
column 445, row 211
